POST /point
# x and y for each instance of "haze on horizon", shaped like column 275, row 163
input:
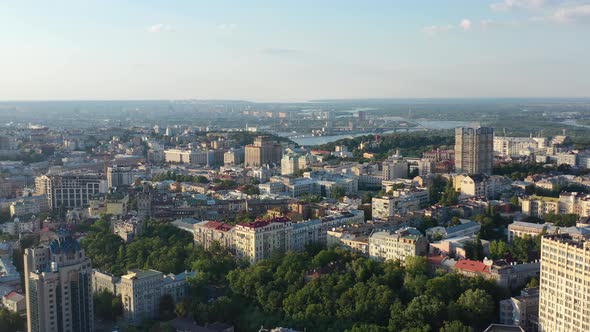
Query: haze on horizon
column 293, row 50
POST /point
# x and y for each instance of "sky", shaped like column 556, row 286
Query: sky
column 298, row 50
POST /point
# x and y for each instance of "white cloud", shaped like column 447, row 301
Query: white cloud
column 572, row 14
column 158, row 28
column 227, row 26
column 465, row 24
column 434, row 29
column 515, row 4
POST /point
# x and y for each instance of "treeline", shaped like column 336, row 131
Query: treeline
column 162, row 247
column 170, row 175
column 317, row 290
column 353, row 293
column 409, row 144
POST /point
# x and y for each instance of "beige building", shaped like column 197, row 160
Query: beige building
column 259, row 239
column 564, row 303
column 538, row 206
column 398, row 245
column 140, row 292
column 102, row 281
column 208, row 232
column 263, row 152
column 518, row 146
column 15, row 302
column 474, row 151
column 292, row 163
column 58, row 287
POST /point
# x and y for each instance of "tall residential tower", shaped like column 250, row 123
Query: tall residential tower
column 474, row 150
column 58, row 283
column 564, row 303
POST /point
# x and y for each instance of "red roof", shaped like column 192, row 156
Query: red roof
column 435, row 260
column 471, row 266
column 218, row 226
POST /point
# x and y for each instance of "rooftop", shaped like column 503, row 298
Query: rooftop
column 472, row 266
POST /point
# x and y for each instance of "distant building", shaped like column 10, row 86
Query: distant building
column 465, row 228
column 474, row 152
column 71, row 190
column 518, row 146
column 118, row 176
column 263, row 152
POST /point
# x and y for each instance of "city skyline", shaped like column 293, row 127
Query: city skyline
column 294, row 51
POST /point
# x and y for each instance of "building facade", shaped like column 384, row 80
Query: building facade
column 564, row 303
column 474, row 151
column 58, row 283
column 119, row 176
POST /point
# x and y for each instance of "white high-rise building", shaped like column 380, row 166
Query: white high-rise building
column 564, row 303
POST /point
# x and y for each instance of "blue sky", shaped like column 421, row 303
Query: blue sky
column 286, row 50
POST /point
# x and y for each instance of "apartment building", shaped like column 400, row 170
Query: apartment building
column 474, row 151
column 397, row 245
column 119, row 176
column 71, row 190
column 259, row 239
column 58, row 283
column 564, row 303
column 263, row 152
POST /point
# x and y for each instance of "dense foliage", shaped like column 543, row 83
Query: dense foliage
column 162, row 247
column 317, row 290
column 170, row 175
column 10, row 321
column 409, row 144
column 357, row 294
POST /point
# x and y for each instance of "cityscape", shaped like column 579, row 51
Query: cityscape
column 283, row 167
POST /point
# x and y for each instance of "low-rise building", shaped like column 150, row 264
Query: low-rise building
column 522, row 310
column 508, row 275
column 15, row 302
column 398, row 245
column 208, row 232
column 465, row 228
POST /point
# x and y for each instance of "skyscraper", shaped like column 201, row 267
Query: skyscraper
column 474, row 150
column 564, row 303
column 58, row 283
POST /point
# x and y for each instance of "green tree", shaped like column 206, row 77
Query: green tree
column 455, row 326
column 498, row 249
column 338, row 192
column 11, row 321
column 477, row 307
